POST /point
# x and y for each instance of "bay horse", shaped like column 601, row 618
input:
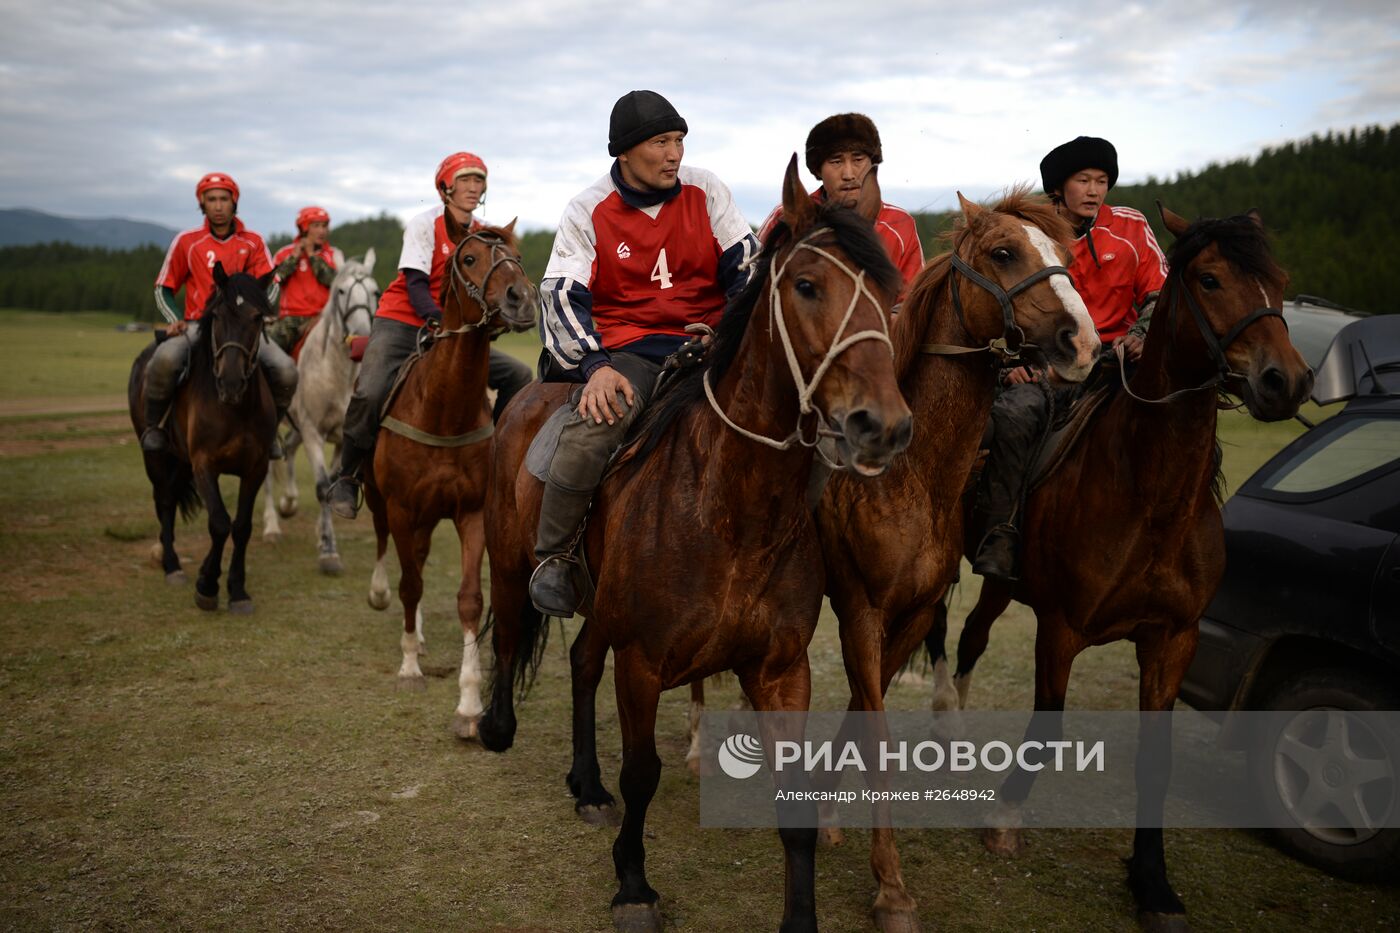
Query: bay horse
column 221, row 422
column 432, row 455
column 701, row 542
column 325, row 379
column 1123, row 541
column 892, row 546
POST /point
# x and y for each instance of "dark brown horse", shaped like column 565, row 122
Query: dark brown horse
column 221, row 422
column 892, row 546
column 701, row 543
column 1124, row 539
column 433, row 454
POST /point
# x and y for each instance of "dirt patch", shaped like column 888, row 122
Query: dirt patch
column 25, row 437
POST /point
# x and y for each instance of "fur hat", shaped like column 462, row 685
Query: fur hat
column 1076, row 155
column 638, row 116
column 844, row 132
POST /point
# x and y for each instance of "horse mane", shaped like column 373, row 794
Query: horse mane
column 1242, row 243
column 857, row 239
column 922, row 300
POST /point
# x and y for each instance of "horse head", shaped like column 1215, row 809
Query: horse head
column 486, row 281
column 354, row 297
column 1013, row 256
column 1225, row 273
column 830, row 289
column 233, row 324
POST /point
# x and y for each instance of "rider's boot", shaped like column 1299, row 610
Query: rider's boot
column 275, row 452
column 552, row 585
column 153, row 439
column 994, row 520
column 343, row 496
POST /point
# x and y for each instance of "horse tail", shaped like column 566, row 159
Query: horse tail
column 187, row 498
column 531, row 637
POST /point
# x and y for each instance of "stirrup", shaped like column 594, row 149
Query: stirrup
column 349, row 507
column 548, row 594
column 154, row 439
column 996, row 553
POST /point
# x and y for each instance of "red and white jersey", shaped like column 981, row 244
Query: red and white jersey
column 190, row 262
column 426, row 247
column 896, row 229
column 302, row 294
column 1130, row 267
column 620, row 273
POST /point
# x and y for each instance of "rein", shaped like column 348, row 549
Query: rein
column 1008, row 346
column 1215, row 345
column 476, row 292
column 250, row 354
column 805, row 390
column 345, row 314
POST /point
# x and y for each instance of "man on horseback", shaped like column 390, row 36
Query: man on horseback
column 646, row 250
column 190, row 263
column 1118, row 269
column 843, row 152
column 305, row 269
column 407, row 306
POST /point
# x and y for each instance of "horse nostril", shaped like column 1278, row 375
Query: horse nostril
column 1064, row 339
column 1273, row 382
column 512, row 294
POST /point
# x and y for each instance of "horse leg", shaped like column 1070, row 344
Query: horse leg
column 328, row 560
column 165, row 479
column 206, row 585
column 239, row 602
column 991, row 603
column 272, row 526
column 515, row 631
column 1055, row 650
column 635, row 907
column 587, row 657
column 471, row 529
column 379, row 579
column 411, row 543
column 788, row 691
column 697, row 709
column 1163, row 656
column 287, row 503
column 946, row 704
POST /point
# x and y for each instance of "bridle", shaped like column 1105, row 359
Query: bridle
column 807, row 388
column 500, row 255
column 1012, row 340
column 1215, row 346
column 345, row 314
column 250, row 353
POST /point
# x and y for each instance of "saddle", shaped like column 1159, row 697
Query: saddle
column 301, row 341
column 1064, row 434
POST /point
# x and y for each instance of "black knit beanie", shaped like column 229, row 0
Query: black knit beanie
column 638, row 116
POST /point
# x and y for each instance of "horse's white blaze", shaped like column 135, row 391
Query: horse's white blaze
column 469, row 680
column 1086, row 342
column 409, row 643
column 1262, row 294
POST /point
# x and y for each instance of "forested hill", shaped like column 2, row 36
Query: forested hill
column 1327, row 200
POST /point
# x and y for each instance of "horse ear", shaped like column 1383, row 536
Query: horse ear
column 871, row 200
column 265, row 281
column 971, row 209
column 799, row 213
column 368, row 262
column 1253, row 214
column 1176, row 225
column 220, row 276
column 510, row 227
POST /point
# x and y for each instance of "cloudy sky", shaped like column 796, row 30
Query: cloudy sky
column 116, row 108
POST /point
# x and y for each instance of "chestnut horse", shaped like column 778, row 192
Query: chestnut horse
column 1124, row 539
column 892, row 546
column 221, row 422
column 432, row 456
column 700, row 541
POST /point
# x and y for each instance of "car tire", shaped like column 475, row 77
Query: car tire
column 1358, row 855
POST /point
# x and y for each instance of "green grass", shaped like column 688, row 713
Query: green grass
column 61, row 356
column 167, row 768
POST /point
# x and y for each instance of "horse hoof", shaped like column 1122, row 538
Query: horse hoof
column 272, row 537
column 1006, row 842
column 240, row 607
column 177, row 578
column 412, row 684
column 207, row 603
column 379, row 600
column 1163, row 923
column 332, row 567
column 897, row 921
column 831, row 836
column 637, row 918
column 600, row 816
column 466, row 728
column 287, row 507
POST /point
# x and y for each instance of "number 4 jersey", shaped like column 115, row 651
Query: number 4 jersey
column 630, row 269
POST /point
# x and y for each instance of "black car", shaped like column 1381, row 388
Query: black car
column 1308, row 614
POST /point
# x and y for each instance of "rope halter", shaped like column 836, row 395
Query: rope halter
column 500, row 255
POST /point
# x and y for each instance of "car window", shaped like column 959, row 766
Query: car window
column 1356, row 448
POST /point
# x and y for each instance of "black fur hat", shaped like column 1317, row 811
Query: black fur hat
column 1076, row 155
column 638, row 116
column 844, row 132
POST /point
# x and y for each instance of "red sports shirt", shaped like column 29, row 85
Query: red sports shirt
column 190, row 262
column 1130, row 267
column 302, row 294
column 427, row 249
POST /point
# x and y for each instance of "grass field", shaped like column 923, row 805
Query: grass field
column 166, row 768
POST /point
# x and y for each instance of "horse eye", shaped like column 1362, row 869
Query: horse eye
column 468, row 260
column 806, row 288
column 1002, row 255
column 1209, row 282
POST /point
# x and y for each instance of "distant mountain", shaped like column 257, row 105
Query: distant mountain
column 23, row 227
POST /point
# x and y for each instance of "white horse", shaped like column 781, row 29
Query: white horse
column 326, row 375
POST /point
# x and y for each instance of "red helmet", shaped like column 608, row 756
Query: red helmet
column 310, row 215
column 459, row 163
column 216, row 180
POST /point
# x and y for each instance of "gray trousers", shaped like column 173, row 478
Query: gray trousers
column 167, row 367
column 585, row 446
column 390, row 343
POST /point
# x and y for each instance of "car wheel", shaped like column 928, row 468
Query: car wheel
column 1322, row 768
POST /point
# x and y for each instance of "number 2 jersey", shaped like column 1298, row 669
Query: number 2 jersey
column 630, row 269
column 190, row 262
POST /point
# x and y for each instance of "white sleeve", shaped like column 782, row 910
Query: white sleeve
column 418, row 244
column 575, row 246
column 727, row 223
